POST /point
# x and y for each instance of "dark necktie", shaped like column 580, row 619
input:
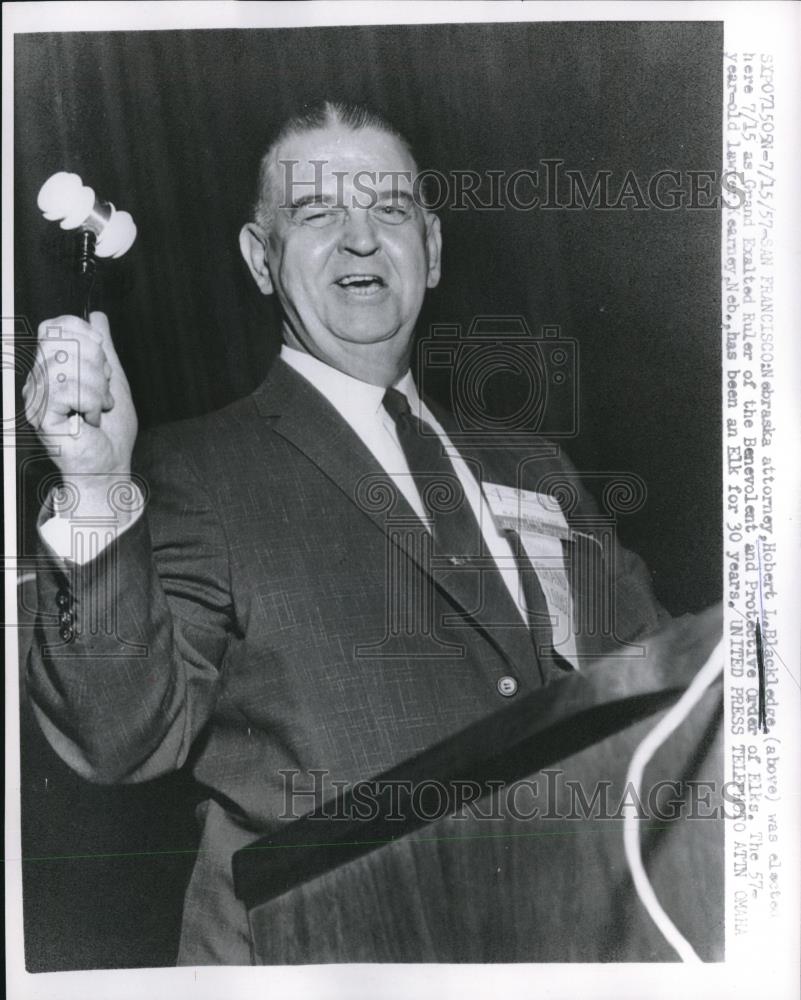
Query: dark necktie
column 456, row 531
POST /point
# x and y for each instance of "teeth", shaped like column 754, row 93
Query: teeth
column 353, row 279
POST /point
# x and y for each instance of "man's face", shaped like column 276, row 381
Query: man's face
column 349, row 253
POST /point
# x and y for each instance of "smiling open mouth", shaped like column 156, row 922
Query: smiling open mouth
column 361, row 284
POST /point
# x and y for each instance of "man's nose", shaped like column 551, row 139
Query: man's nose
column 358, row 234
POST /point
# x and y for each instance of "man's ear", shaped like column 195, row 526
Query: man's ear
column 434, row 250
column 253, row 246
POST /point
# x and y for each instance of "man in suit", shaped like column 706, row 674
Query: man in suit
column 298, row 582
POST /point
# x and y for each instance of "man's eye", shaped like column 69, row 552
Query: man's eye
column 319, row 217
column 392, row 213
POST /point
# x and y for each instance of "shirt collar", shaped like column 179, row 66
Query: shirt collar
column 354, row 399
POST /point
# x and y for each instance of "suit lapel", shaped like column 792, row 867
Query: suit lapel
column 303, row 416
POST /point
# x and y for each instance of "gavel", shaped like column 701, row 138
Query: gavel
column 104, row 231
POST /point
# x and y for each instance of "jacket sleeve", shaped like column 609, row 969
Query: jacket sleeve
column 124, row 669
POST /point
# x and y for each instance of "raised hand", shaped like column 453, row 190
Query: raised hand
column 78, row 400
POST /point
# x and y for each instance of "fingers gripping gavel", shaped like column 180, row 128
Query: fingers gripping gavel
column 76, row 395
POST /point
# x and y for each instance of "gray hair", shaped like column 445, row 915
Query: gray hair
column 315, row 116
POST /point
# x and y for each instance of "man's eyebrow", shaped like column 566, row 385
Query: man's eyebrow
column 311, row 199
column 329, row 201
column 393, row 192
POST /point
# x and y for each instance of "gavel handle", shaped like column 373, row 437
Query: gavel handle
column 86, row 270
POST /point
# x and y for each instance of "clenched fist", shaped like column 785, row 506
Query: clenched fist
column 78, row 400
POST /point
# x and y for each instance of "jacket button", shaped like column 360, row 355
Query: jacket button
column 66, row 633
column 65, row 618
column 62, row 599
column 507, row 686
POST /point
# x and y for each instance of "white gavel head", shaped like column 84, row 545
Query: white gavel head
column 64, row 197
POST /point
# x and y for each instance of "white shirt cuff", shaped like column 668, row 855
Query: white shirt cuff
column 72, row 541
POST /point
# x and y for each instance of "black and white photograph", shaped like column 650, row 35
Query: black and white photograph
column 394, row 452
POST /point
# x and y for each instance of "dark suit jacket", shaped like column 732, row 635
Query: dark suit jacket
column 264, row 616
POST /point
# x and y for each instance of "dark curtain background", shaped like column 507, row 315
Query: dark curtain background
column 170, row 126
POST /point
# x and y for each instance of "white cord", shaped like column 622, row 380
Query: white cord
column 631, row 830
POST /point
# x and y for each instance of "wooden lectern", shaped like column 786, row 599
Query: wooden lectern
column 424, row 878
